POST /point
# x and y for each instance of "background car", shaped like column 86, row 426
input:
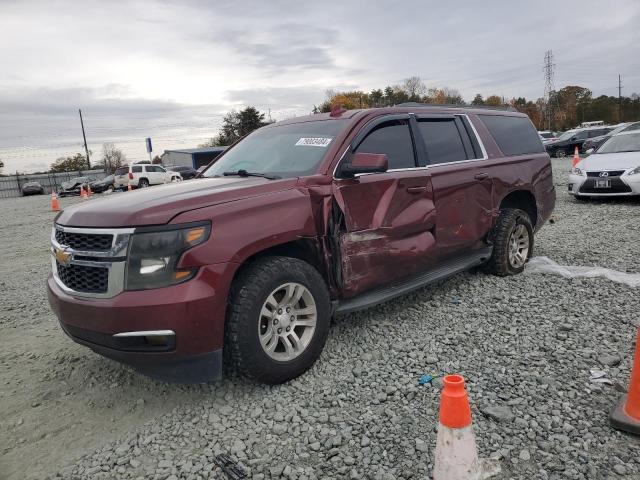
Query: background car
column 566, row 143
column 104, row 185
column 595, row 142
column 546, row 136
column 614, row 169
column 185, row 172
column 32, row 188
column 72, row 187
column 141, row 175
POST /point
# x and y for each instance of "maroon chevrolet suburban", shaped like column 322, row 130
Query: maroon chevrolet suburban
column 301, row 220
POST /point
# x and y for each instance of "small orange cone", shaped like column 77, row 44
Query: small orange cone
column 55, row 204
column 576, row 157
column 129, row 188
column 89, row 192
column 83, row 193
column 626, row 415
column 456, row 452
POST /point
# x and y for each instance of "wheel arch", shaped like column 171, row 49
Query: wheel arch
column 524, row 200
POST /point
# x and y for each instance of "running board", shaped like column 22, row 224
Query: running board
column 380, row 295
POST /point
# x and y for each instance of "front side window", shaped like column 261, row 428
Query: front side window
column 442, row 140
column 284, row 151
column 392, row 138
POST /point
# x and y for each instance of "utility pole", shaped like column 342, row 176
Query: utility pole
column 619, row 98
column 84, row 137
column 549, row 87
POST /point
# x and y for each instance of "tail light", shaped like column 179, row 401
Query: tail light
column 130, row 176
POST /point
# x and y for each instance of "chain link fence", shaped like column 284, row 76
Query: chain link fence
column 11, row 185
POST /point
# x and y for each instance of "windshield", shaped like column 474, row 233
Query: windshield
column 284, row 151
column 621, row 143
column 567, row 135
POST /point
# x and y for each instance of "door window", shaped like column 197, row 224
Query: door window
column 443, row 141
column 392, row 138
column 136, row 169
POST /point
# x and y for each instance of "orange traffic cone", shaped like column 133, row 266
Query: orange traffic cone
column 129, row 188
column 456, row 451
column 55, row 204
column 626, row 415
column 89, row 192
column 576, row 157
column 83, row 193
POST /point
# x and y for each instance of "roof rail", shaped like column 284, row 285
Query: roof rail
column 507, row 108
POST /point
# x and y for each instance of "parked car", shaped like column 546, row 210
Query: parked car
column 32, row 188
column 301, row 220
column 546, row 136
column 185, row 172
column 613, row 169
column 142, row 176
column 566, row 143
column 104, row 185
column 595, row 142
column 72, row 187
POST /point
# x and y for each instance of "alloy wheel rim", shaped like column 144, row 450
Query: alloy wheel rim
column 518, row 246
column 287, row 321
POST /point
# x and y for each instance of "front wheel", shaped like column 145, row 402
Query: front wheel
column 561, row 153
column 512, row 243
column 278, row 319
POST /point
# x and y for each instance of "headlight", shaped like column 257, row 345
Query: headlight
column 154, row 255
column 577, row 171
column 635, row 171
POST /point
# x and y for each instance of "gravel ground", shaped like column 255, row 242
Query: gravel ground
column 525, row 345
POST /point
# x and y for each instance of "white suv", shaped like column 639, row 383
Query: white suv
column 143, row 175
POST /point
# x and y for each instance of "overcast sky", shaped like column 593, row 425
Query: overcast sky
column 169, row 70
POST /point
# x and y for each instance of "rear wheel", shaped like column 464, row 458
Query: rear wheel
column 278, row 319
column 512, row 243
column 561, row 153
column 143, row 183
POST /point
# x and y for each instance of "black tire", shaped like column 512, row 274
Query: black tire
column 143, row 183
column 499, row 263
column 243, row 351
column 560, row 153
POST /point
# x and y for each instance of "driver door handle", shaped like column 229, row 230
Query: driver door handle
column 481, row 176
column 416, row 189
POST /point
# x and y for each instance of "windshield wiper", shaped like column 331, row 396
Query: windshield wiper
column 244, row 173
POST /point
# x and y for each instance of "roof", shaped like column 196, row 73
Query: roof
column 628, row 132
column 198, row 150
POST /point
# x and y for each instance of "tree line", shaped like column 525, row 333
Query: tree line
column 570, row 106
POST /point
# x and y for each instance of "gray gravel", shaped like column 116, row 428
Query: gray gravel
column 525, row 345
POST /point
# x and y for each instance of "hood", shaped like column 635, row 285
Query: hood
column 610, row 161
column 158, row 205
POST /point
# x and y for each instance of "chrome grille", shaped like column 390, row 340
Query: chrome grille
column 89, row 262
column 82, row 278
column 84, row 241
column 611, row 173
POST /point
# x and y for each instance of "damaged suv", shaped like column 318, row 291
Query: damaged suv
column 301, row 220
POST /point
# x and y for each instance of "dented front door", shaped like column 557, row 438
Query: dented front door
column 388, row 222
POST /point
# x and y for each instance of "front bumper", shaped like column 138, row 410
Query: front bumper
column 625, row 185
column 193, row 311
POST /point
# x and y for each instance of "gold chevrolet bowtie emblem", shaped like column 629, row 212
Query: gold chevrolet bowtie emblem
column 62, row 257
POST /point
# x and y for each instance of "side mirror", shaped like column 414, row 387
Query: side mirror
column 365, row 163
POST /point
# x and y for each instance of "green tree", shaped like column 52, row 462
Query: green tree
column 477, row 100
column 70, row 164
column 236, row 125
column 1, row 166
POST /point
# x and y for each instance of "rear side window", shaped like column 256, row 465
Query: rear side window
column 136, row 169
column 443, row 141
column 394, row 139
column 514, row 135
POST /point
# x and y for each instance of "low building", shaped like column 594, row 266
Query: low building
column 191, row 157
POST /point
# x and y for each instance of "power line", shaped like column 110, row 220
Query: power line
column 619, row 98
column 549, row 86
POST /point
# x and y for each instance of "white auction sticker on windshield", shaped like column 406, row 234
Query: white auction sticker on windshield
column 313, row 142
